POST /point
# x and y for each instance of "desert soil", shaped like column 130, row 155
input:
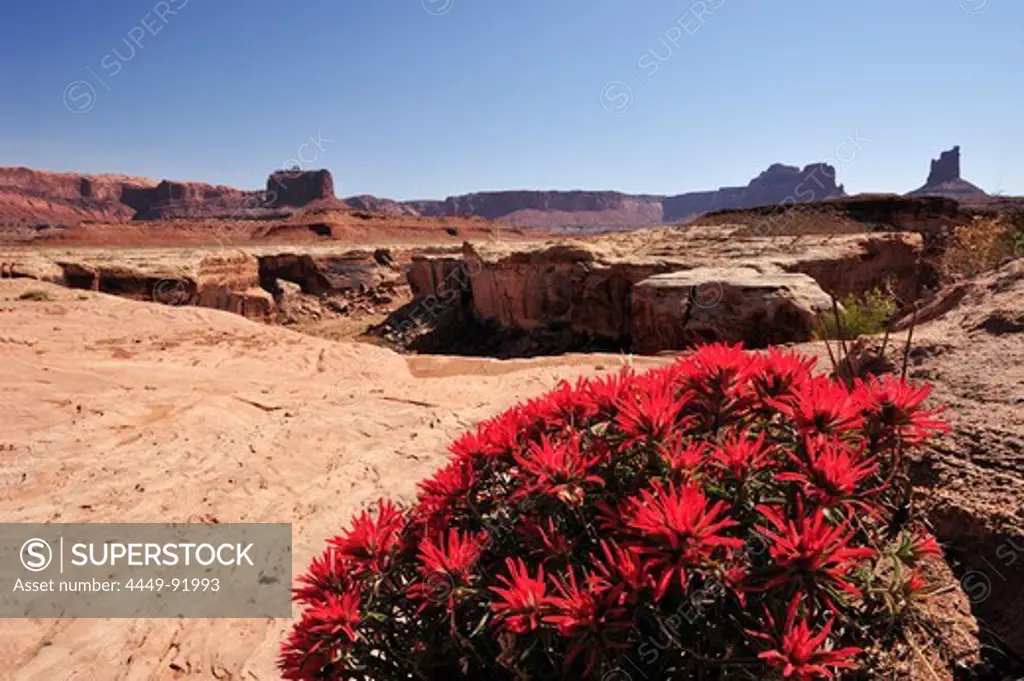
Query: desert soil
column 123, row 411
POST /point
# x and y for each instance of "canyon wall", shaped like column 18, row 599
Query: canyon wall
column 30, row 196
column 665, row 292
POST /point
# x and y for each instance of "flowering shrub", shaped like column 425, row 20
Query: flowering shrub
column 731, row 513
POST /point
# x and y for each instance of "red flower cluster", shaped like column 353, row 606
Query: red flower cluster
column 568, row 532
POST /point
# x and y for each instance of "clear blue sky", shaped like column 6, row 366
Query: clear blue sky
column 423, row 99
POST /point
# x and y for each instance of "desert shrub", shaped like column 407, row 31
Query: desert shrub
column 729, row 516
column 862, row 315
column 35, row 294
column 984, row 244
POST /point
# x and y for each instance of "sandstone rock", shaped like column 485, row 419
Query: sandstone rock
column 176, row 200
column 944, row 179
column 578, row 286
column 731, row 304
column 442, row 276
column 607, row 210
column 42, row 197
column 253, row 303
column 945, row 168
column 299, row 187
column 321, row 273
column 589, row 288
column 971, row 483
column 224, row 280
column 32, row 268
column 286, row 291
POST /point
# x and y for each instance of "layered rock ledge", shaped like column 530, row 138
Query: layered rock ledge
column 664, row 290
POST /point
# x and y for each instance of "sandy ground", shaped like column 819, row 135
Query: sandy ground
column 119, row 411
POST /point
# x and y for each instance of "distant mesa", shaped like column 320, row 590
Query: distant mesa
column 297, row 188
column 607, row 210
column 30, row 197
column 944, row 179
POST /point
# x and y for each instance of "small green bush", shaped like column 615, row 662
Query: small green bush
column 35, row 294
column 860, row 316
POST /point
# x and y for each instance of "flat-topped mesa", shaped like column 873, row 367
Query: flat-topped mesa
column 298, row 188
column 945, row 168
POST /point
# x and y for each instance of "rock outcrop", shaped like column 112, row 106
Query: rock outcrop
column 322, row 273
column 606, row 290
column 944, row 179
column 34, row 197
column 31, row 197
column 969, row 343
column 945, row 168
column 297, row 188
column 730, row 304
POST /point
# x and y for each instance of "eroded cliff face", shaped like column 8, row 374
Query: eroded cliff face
column 227, row 280
column 663, row 290
column 614, row 210
column 30, row 196
column 298, row 188
column 744, row 304
column 36, row 196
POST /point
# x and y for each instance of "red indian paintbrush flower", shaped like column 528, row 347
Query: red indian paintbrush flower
column 331, row 572
column 684, row 461
column 893, row 409
column 558, row 469
column 810, row 551
column 821, row 406
column 623, row 570
column 801, row 653
column 742, row 456
column 548, row 542
column 832, row 472
column 651, row 415
column 445, row 565
column 715, row 375
column 915, row 586
column 448, row 488
column 606, row 391
column 498, row 438
column 369, row 543
column 607, row 504
column 676, row 530
column 776, row 374
column 919, row 545
column 566, row 407
column 522, row 601
column 584, row 614
column 323, row 634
